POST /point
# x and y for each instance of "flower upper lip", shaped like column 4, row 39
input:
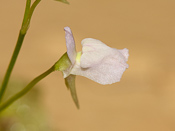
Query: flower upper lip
column 70, row 43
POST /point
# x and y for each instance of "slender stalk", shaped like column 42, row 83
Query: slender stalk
column 28, row 3
column 26, row 23
column 11, row 64
column 26, row 89
column 26, row 20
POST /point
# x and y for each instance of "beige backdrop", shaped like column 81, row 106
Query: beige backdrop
column 144, row 100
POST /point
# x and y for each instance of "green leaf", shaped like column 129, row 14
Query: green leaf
column 64, row 1
column 70, row 83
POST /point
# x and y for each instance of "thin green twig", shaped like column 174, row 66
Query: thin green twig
column 26, row 23
column 26, row 20
column 28, row 3
column 26, row 89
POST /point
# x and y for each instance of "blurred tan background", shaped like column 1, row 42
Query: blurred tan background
column 144, row 100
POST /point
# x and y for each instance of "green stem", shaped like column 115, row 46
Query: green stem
column 26, row 89
column 26, row 20
column 11, row 64
column 28, row 3
column 26, row 23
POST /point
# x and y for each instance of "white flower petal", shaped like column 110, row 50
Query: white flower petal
column 70, row 44
column 101, row 63
column 125, row 53
column 95, row 50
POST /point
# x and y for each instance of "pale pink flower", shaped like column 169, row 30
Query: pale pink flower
column 97, row 61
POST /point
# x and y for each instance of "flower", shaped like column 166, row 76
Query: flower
column 97, row 61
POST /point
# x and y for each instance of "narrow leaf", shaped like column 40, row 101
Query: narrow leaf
column 70, row 83
column 64, row 1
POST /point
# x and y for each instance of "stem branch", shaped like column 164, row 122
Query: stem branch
column 11, row 64
column 26, row 89
column 26, row 23
column 26, row 20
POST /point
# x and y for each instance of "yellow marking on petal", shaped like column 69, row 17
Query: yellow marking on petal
column 78, row 57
